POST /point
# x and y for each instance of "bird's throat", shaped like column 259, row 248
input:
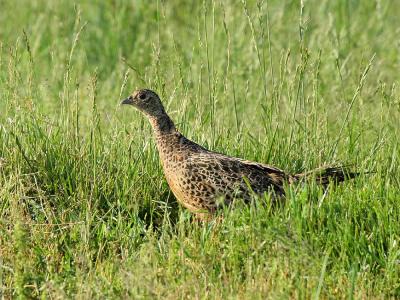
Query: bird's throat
column 162, row 125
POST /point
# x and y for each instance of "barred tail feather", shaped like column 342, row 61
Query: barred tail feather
column 325, row 175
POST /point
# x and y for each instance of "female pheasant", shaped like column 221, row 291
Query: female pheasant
column 200, row 178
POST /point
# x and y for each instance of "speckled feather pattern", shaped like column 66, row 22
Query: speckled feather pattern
column 203, row 180
column 199, row 177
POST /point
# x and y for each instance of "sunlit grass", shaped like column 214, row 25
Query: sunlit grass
column 85, row 210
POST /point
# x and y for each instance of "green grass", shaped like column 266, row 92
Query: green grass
column 85, row 211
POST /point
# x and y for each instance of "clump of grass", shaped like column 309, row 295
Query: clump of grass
column 85, row 210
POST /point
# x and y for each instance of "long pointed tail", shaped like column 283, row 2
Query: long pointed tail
column 325, row 175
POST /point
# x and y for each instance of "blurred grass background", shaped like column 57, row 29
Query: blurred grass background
column 85, row 211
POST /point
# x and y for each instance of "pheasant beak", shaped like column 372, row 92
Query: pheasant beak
column 128, row 100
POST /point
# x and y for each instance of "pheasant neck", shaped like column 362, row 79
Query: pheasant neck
column 162, row 125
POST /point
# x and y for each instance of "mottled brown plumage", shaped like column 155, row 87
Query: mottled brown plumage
column 203, row 180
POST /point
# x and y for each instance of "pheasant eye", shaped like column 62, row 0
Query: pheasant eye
column 142, row 96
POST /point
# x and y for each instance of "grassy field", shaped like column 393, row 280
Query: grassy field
column 85, row 211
